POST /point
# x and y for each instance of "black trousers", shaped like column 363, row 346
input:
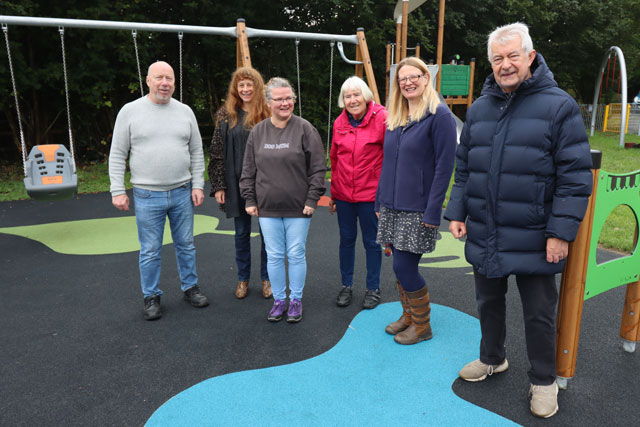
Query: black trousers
column 539, row 297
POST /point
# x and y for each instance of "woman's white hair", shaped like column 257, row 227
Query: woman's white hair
column 355, row 83
column 508, row 32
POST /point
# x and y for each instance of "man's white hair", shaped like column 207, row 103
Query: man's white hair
column 508, row 32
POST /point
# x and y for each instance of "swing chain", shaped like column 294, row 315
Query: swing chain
column 180, row 34
column 23, row 146
column 135, row 46
column 298, row 71
column 66, row 93
column 332, row 43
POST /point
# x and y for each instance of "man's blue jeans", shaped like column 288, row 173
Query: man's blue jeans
column 286, row 236
column 348, row 216
column 152, row 208
column 243, row 249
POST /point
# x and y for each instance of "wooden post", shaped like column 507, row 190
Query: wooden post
column 243, row 57
column 238, row 52
column 387, row 71
column 471, row 75
column 405, row 26
column 630, row 324
column 440, row 41
column 398, row 41
column 366, row 60
column 574, row 279
column 417, row 50
column 358, row 66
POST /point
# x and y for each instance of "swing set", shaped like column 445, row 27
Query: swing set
column 623, row 115
column 50, row 170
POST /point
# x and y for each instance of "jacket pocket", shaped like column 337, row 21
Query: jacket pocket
column 538, row 205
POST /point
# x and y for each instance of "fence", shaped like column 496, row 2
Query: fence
column 585, row 111
column 634, row 118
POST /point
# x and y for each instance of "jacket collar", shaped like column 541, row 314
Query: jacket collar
column 372, row 108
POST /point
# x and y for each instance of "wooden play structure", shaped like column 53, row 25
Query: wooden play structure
column 584, row 278
column 453, row 81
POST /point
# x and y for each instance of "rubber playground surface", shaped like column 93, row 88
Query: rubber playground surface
column 74, row 349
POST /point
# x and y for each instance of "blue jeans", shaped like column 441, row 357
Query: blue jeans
column 152, row 209
column 348, row 214
column 286, row 236
column 243, row 249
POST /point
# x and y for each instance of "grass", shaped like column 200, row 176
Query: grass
column 617, row 233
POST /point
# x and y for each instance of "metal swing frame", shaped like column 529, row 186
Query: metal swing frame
column 243, row 57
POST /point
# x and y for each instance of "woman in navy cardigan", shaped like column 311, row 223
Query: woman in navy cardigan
column 419, row 152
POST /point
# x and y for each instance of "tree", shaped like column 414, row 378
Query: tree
column 572, row 35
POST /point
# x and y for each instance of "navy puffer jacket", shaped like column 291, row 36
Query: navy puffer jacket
column 522, row 175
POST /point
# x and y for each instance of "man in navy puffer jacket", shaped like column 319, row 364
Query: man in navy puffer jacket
column 521, row 189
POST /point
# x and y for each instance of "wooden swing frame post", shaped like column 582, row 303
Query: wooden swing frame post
column 366, row 63
column 574, row 278
column 243, row 57
column 630, row 323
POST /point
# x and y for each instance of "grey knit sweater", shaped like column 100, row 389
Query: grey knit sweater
column 163, row 144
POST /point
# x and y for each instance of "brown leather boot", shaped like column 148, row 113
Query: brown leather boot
column 242, row 289
column 405, row 320
column 420, row 328
column 266, row 289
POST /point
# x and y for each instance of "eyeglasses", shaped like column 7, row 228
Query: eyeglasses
column 414, row 78
column 288, row 99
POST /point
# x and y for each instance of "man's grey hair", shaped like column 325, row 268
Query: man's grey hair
column 508, row 32
column 277, row 83
column 355, row 83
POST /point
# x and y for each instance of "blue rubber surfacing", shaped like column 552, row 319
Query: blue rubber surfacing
column 366, row 379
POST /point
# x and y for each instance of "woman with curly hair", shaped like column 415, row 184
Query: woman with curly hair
column 244, row 107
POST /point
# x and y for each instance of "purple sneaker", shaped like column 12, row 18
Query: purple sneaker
column 278, row 309
column 294, row 313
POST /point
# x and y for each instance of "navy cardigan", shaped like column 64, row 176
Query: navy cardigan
column 417, row 165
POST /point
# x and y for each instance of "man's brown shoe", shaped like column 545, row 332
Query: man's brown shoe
column 242, row 289
column 266, row 289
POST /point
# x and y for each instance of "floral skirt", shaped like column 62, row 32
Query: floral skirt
column 405, row 231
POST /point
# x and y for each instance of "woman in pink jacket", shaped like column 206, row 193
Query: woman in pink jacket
column 356, row 161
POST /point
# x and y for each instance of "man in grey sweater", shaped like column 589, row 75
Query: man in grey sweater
column 160, row 136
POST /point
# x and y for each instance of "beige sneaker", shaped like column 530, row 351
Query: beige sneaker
column 544, row 400
column 478, row 371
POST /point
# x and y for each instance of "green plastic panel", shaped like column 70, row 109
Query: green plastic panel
column 613, row 190
column 454, row 80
